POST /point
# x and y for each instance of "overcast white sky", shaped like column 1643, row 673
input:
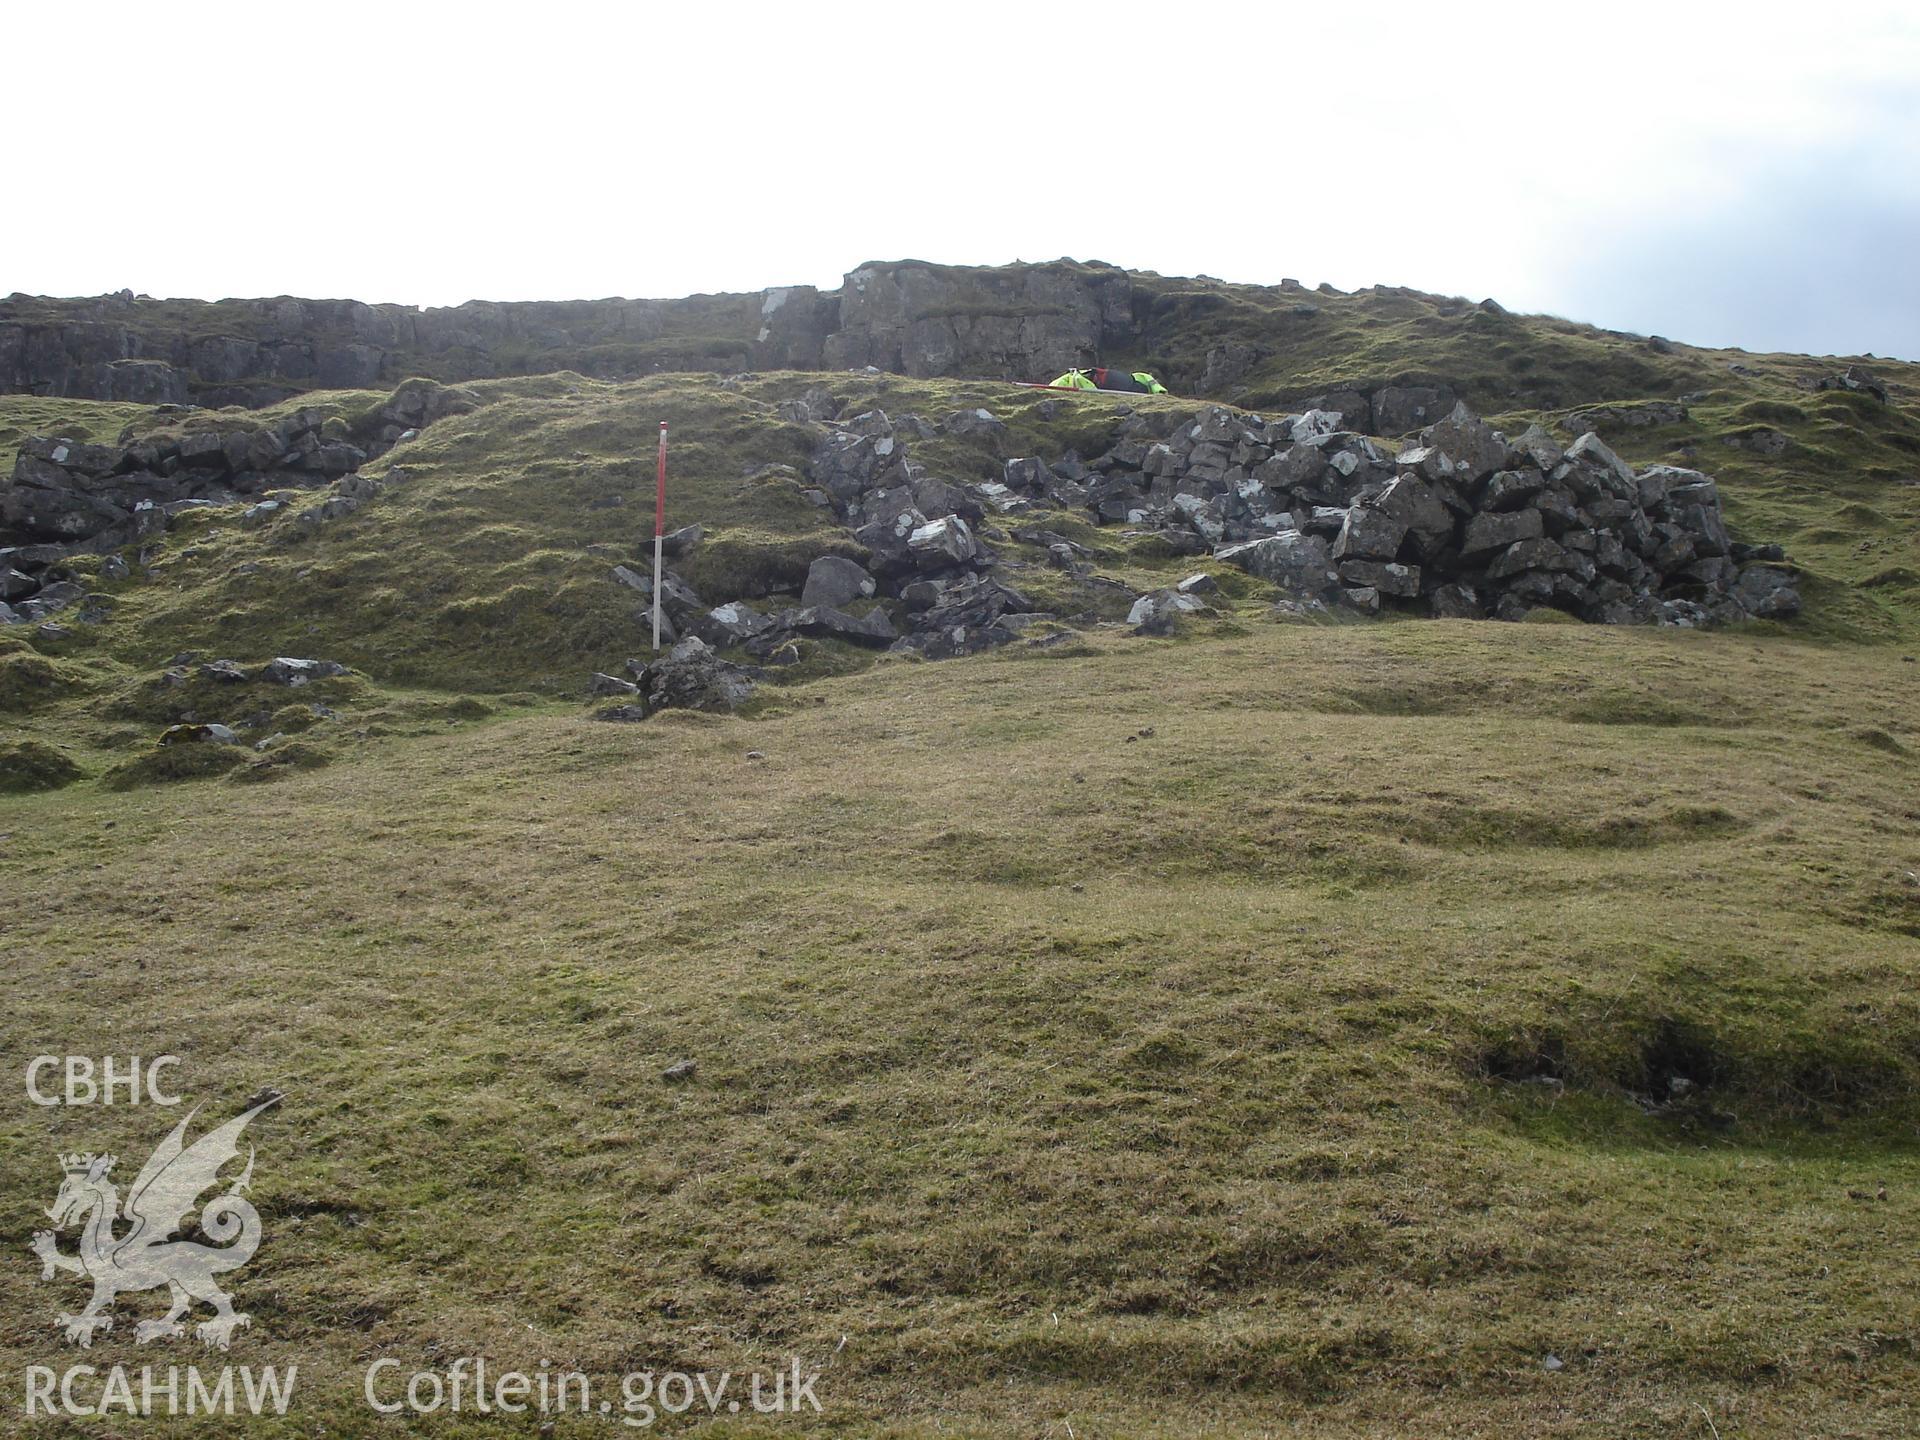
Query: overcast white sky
column 1716, row 173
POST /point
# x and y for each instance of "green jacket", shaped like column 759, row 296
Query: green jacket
column 1076, row 380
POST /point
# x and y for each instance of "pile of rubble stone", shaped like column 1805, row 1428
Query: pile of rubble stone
column 1461, row 523
column 924, row 554
column 1464, row 523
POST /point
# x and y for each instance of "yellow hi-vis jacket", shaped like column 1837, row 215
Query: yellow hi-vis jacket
column 1078, row 380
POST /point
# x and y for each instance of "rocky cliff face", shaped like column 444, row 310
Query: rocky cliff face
column 915, row 319
column 255, row 352
column 1388, row 360
column 1020, row 321
column 1008, row 322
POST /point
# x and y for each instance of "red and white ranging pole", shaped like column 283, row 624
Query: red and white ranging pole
column 659, row 530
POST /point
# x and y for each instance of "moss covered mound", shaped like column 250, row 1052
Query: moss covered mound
column 30, row 680
column 166, row 763
column 27, row 765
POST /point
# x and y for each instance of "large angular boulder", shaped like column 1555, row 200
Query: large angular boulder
column 1291, row 560
column 1681, row 487
column 872, row 422
column 1384, row 579
column 731, row 624
column 1858, row 379
column 1510, row 489
column 1292, row 468
column 1398, row 409
column 1703, row 523
column 1315, row 423
column 1416, row 505
column 292, row 671
column 1767, row 593
column 1591, row 468
column 1027, row 475
column 836, row 581
column 977, row 425
column 1475, row 447
column 678, row 601
column 1523, row 555
column 847, row 465
column 81, row 459
column 692, row 677
column 1558, row 509
column 1534, row 446
column 1354, row 409
column 1490, row 531
column 998, row 498
column 41, row 512
column 1159, row 612
column 1456, row 602
column 329, row 458
column 944, row 542
column 825, row 622
column 1429, row 462
column 886, row 534
column 1369, row 534
column 963, row 616
column 198, row 733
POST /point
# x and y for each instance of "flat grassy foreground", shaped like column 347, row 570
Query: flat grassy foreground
column 1282, row 1031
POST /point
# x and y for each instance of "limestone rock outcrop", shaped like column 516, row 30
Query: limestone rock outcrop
column 67, row 498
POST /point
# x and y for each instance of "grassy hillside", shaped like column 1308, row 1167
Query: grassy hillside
column 484, row 570
column 93, row 421
column 1310, row 341
column 1282, row 1028
column 1301, row 1029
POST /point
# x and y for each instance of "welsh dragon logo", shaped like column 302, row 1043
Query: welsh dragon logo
column 146, row 1256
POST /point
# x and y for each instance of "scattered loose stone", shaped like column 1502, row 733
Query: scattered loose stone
column 198, row 734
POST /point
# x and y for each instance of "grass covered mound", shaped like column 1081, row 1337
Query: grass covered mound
column 164, row 763
column 32, row 681
column 95, row 422
column 27, row 765
column 1300, row 1029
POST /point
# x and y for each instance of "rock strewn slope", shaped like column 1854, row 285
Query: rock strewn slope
column 1466, row 524
column 67, row 498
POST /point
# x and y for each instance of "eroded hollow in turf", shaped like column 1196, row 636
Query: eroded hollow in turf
column 1720, row 1073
